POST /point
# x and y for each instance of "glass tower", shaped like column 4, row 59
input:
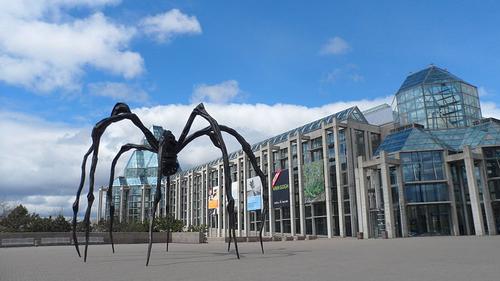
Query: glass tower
column 437, row 99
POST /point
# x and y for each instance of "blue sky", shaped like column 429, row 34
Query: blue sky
column 65, row 63
column 273, row 51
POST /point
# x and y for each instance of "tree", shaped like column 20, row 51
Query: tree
column 17, row 220
column 60, row 224
column 163, row 223
column 5, row 209
column 39, row 224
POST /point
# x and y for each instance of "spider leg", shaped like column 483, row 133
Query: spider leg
column 90, row 195
column 155, row 205
column 109, row 193
column 120, row 112
column 253, row 160
column 217, row 136
column 229, row 232
column 76, row 203
column 166, row 210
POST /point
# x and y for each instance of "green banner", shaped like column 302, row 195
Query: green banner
column 314, row 182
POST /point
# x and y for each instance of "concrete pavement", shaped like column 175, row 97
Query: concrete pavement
column 431, row 258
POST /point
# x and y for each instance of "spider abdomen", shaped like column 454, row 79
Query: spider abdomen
column 169, row 163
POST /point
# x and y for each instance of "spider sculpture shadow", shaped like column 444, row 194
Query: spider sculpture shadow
column 167, row 148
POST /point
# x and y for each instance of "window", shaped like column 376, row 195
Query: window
column 422, row 166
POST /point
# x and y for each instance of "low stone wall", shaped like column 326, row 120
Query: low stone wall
column 118, row 237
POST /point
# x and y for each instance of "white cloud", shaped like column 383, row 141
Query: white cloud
column 169, row 24
column 347, row 72
column 483, row 92
column 43, row 48
column 41, row 158
column 118, row 91
column 218, row 93
column 335, row 46
column 490, row 109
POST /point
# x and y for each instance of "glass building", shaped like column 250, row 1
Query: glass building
column 430, row 166
column 437, row 99
column 133, row 193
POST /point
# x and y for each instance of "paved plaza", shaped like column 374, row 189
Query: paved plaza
column 432, row 258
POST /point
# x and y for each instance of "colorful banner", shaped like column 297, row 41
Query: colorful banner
column 281, row 189
column 213, row 197
column 254, row 194
column 314, row 182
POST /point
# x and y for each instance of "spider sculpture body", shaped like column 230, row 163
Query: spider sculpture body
column 167, row 148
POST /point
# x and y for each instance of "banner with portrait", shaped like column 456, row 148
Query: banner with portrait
column 254, row 194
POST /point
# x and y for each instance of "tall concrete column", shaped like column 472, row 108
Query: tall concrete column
column 205, row 196
column 402, row 202
column 340, row 187
column 291, row 189
column 451, row 195
column 488, row 210
column 245, row 210
column 387, row 193
column 475, row 200
column 364, row 212
column 189, row 198
column 302, row 211
column 122, row 200
column 328, row 191
column 178, row 191
column 220, row 213
column 201, row 197
column 143, row 197
column 270, row 176
column 99, row 204
column 351, row 152
column 238, row 200
column 165, row 196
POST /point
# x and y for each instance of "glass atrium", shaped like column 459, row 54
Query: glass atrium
column 437, row 99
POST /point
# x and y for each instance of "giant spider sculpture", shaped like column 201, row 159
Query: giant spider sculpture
column 167, row 148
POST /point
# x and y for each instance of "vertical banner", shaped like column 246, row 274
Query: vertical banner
column 314, row 182
column 281, row 189
column 254, row 194
column 213, row 197
column 235, row 191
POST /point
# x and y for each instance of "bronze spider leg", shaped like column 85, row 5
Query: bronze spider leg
column 253, row 160
column 75, row 205
column 155, row 204
column 119, row 113
column 200, row 111
column 109, row 194
column 208, row 131
column 167, row 187
column 248, row 151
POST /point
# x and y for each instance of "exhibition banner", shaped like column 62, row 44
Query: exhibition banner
column 213, row 197
column 281, row 189
column 254, row 194
column 314, row 182
column 235, row 191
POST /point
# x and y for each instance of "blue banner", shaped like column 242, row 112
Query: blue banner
column 254, row 194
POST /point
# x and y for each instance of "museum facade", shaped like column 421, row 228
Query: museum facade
column 428, row 165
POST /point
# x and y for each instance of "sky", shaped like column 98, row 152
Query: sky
column 262, row 67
